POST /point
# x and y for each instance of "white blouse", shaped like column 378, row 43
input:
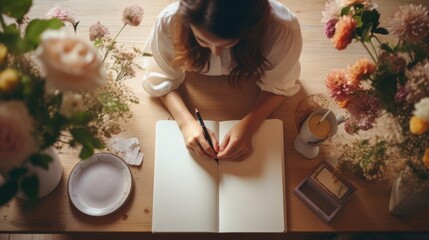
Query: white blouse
column 283, row 50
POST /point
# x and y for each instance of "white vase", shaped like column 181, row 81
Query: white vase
column 48, row 178
column 405, row 200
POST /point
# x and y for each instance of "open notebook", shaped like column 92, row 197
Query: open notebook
column 197, row 195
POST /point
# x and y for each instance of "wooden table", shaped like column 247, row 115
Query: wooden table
column 367, row 210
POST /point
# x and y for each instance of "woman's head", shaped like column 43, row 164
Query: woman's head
column 227, row 19
column 206, row 39
column 204, row 26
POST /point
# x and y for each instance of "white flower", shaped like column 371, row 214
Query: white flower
column 410, row 23
column 17, row 142
column 332, row 10
column 71, row 103
column 422, row 109
column 69, row 62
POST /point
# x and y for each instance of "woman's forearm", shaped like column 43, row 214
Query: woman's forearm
column 265, row 104
column 175, row 105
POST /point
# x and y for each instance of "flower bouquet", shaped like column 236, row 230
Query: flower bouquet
column 392, row 84
column 56, row 89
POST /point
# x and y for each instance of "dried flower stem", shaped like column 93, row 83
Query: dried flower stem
column 113, row 42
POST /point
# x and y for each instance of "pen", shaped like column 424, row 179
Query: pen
column 206, row 133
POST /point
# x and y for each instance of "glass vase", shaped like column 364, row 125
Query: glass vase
column 406, row 199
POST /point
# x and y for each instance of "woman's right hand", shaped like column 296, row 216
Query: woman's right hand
column 192, row 131
column 195, row 141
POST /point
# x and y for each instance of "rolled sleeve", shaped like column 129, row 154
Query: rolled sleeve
column 284, row 56
column 157, row 82
column 160, row 77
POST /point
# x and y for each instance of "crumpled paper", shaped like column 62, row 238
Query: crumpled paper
column 127, row 148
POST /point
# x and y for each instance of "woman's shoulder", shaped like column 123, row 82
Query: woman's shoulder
column 284, row 33
column 283, row 17
column 165, row 17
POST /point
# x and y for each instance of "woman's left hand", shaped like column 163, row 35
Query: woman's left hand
column 237, row 143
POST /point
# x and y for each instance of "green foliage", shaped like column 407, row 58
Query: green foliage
column 86, row 138
column 7, row 191
column 41, row 160
column 11, row 37
column 37, row 27
column 30, row 186
column 367, row 22
column 345, row 10
column 11, row 186
column 112, row 103
column 385, row 87
column 15, row 8
column 18, row 44
column 364, row 158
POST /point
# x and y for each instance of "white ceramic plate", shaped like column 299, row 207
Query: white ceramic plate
column 100, row 184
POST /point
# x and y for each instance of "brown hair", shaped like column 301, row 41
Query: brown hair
column 245, row 20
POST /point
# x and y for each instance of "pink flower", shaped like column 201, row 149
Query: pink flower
column 338, row 85
column 69, row 62
column 364, row 109
column 395, row 63
column 351, row 126
column 132, row 15
column 401, row 94
column 17, row 142
column 344, row 32
column 61, row 14
column 329, row 28
column 98, row 31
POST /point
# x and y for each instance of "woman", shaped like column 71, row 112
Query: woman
column 240, row 38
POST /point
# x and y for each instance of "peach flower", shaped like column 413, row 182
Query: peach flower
column 69, row 62
column 360, row 70
column 338, row 85
column 17, row 142
column 344, row 32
